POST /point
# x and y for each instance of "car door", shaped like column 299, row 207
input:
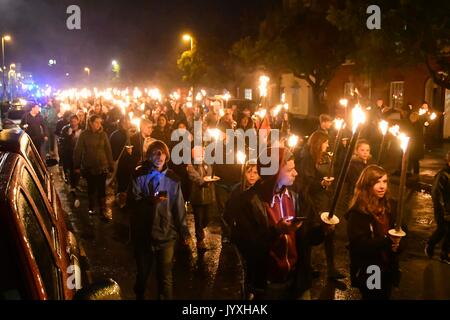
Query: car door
column 43, row 235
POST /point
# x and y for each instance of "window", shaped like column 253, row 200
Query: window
column 40, row 248
column 248, row 94
column 35, row 163
column 30, row 185
column 396, row 97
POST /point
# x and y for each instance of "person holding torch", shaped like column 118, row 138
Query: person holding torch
column 370, row 218
column 314, row 185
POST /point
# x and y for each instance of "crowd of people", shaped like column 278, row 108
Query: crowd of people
column 273, row 220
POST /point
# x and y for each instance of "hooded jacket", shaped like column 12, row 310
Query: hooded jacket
column 156, row 223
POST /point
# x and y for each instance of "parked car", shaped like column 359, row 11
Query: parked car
column 15, row 110
column 41, row 258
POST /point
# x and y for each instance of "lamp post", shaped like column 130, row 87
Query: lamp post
column 87, row 70
column 5, row 38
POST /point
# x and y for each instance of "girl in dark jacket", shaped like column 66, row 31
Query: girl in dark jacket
column 369, row 219
column 202, row 195
column 93, row 157
column 313, row 167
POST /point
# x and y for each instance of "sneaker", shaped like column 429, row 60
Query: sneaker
column 429, row 251
column 76, row 203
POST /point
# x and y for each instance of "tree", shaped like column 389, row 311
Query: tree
column 412, row 32
column 192, row 67
column 303, row 42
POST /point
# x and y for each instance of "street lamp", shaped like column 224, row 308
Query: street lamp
column 87, row 70
column 5, row 38
column 188, row 37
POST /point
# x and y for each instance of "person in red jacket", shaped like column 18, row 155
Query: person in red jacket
column 272, row 236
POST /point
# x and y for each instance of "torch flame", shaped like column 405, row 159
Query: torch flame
column 404, row 141
column 343, row 102
column 384, row 126
column 263, row 81
column 338, row 123
column 276, row 110
column 292, row 141
column 395, row 130
column 214, row 133
column 136, row 122
column 241, row 157
column 433, row 116
column 283, row 98
column 358, row 116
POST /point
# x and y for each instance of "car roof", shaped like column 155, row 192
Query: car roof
column 10, row 139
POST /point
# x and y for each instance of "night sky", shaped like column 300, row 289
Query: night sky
column 143, row 35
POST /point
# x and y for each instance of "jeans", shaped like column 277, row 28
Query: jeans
column 163, row 257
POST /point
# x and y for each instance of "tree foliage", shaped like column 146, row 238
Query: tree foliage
column 304, row 43
column 192, row 67
column 412, row 31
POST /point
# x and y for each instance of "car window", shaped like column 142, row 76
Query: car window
column 37, row 167
column 40, row 248
column 30, row 185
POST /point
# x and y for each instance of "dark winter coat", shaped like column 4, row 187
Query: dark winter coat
column 368, row 247
column 93, row 153
column 156, row 223
column 34, row 127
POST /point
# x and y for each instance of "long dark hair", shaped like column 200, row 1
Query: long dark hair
column 315, row 146
column 364, row 198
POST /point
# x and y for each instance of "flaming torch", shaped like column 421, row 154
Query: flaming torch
column 263, row 81
column 384, row 126
column 398, row 232
column 358, row 118
column 292, row 142
column 338, row 124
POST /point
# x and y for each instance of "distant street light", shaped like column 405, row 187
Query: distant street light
column 188, row 37
column 5, row 38
column 115, row 68
column 87, row 70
